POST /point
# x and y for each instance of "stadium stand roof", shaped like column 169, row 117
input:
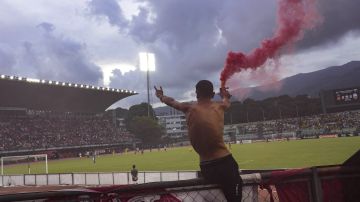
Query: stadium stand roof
column 35, row 94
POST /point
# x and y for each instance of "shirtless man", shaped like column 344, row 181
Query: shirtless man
column 205, row 120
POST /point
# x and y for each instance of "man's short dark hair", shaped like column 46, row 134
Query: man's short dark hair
column 133, row 166
column 204, row 89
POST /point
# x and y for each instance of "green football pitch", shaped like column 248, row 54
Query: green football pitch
column 286, row 154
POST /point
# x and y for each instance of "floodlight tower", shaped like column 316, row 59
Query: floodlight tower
column 147, row 64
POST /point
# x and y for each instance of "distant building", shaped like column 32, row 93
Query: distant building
column 175, row 125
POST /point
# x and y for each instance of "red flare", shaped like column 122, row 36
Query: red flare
column 294, row 17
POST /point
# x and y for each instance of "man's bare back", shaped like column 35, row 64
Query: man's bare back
column 205, row 122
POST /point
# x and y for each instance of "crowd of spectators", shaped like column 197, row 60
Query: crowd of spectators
column 38, row 132
column 337, row 123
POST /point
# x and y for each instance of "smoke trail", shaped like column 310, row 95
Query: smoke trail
column 293, row 18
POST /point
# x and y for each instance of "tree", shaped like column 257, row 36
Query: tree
column 147, row 129
column 143, row 127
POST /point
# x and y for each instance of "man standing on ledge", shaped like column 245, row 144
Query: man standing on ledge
column 205, row 120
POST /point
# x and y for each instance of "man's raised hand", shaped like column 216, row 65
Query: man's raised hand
column 159, row 92
column 224, row 93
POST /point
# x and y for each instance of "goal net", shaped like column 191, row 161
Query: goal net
column 26, row 164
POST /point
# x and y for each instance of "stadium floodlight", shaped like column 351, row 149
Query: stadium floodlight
column 76, row 85
column 2, row 76
column 93, row 87
column 57, row 83
column 98, row 88
column 87, row 86
column 81, row 86
column 20, row 78
column 11, row 77
column 69, row 84
column 42, row 81
column 32, row 80
column 50, row 82
column 63, row 83
column 147, row 63
column 117, row 90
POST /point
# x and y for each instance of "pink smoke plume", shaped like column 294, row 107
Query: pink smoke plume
column 293, row 18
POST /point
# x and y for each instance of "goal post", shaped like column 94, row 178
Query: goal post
column 24, row 159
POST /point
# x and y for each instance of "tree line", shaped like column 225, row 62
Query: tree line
column 149, row 131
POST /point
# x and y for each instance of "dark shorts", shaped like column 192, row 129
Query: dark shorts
column 224, row 172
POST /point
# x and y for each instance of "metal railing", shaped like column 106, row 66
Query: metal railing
column 91, row 179
column 332, row 183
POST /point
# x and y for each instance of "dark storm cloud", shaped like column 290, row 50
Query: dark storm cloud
column 49, row 56
column 58, row 57
column 191, row 38
column 110, row 9
column 339, row 17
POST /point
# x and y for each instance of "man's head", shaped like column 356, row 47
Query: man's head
column 204, row 89
column 133, row 166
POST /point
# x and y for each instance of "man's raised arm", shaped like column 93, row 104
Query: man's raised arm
column 170, row 101
column 225, row 95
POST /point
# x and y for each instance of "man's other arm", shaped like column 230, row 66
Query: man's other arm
column 175, row 104
column 225, row 95
column 170, row 101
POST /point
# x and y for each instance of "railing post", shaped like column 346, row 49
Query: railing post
column 99, row 178
column 316, row 190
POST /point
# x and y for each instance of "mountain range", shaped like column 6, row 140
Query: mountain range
column 335, row 77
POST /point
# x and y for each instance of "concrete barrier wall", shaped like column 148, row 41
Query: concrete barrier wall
column 93, row 178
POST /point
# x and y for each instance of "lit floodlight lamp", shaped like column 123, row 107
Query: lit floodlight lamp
column 32, row 80
column 98, row 88
column 87, row 86
column 57, row 83
column 63, row 83
column 93, row 87
column 147, row 61
column 81, row 86
column 50, row 82
column 11, row 77
column 20, row 78
column 2, row 76
column 117, row 90
column 42, row 81
column 69, row 84
column 76, row 85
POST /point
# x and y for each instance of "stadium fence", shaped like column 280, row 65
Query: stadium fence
column 317, row 184
column 91, row 179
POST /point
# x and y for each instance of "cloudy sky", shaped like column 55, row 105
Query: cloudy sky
column 97, row 41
